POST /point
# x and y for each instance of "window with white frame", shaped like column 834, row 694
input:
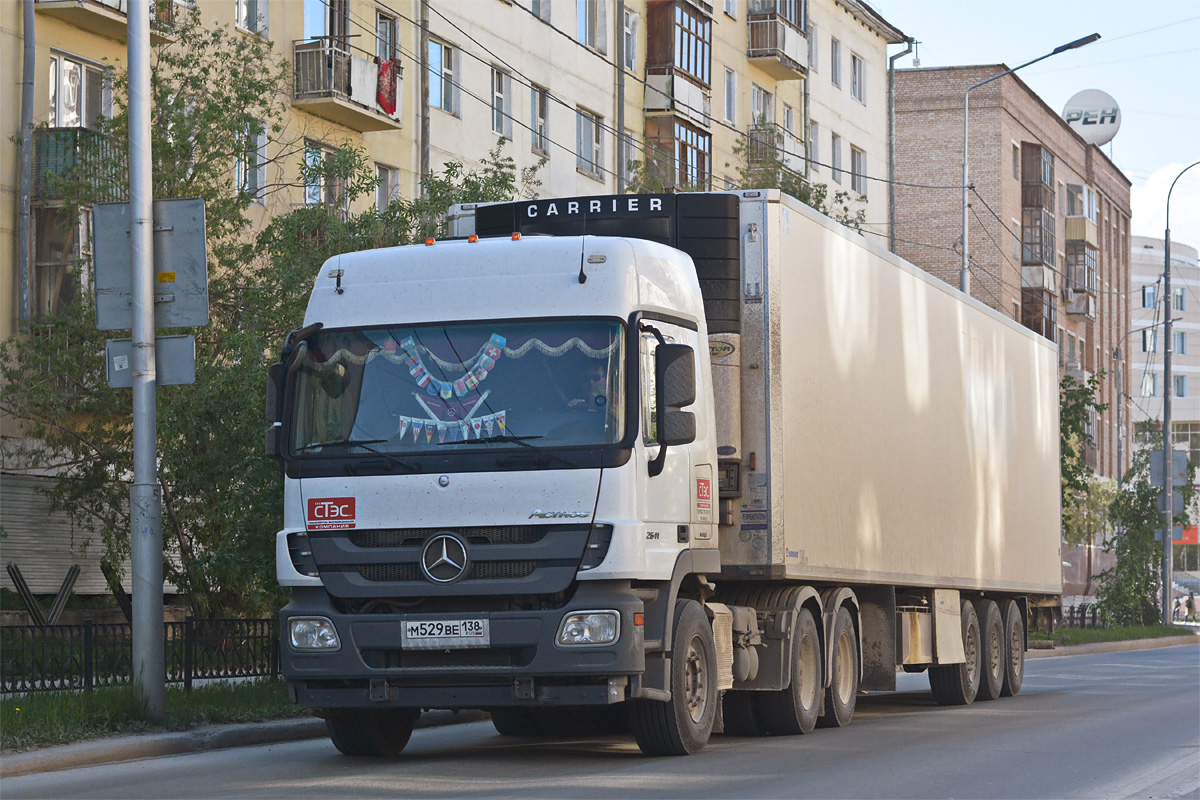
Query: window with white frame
column 385, row 36
column 730, row 96
column 1179, row 298
column 251, row 162
column 789, row 119
column 814, row 146
column 1016, row 240
column 731, row 8
column 835, row 62
column 814, row 48
column 762, row 107
column 590, row 158
column 501, row 103
column 858, row 79
column 1150, row 341
column 539, row 123
column 858, row 171
column 835, row 154
column 628, row 153
column 387, row 180
column 629, row 42
column 56, row 251
column 1181, row 342
column 80, row 93
column 1016, row 161
column 541, row 9
column 1150, row 384
column 252, row 16
column 442, row 68
column 1180, row 382
column 1150, row 295
column 320, row 187
column 590, row 24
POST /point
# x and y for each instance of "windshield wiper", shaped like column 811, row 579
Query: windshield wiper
column 365, row 444
column 506, row 437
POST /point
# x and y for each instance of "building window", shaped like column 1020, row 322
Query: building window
column 1150, row 384
column 693, row 148
column 442, row 92
column 1181, row 342
column 539, row 124
column 835, row 147
column 252, row 16
column 693, row 43
column 858, row 171
column 541, row 9
column 731, row 96
column 386, row 186
column 789, row 119
column 793, row 11
column 501, row 103
column 1016, row 161
column 590, row 157
column 628, row 154
column 56, row 251
column 1179, row 299
column 80, row 93
column 1016, row 240
column 731, row 8
column 318, row 186
column 762, row 109
column 814, row 146
column 251, row 162
column 590, row 24
column 630, row 40
column 1080, row 201
column 1150, row 341
column 1180, row 382
column 858, row 79
column 835, row 62
column 814, row 49
column 1150, row 295
column 385, row 36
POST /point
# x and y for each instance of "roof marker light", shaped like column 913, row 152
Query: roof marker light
column 472, row 238
column 516, row 236
column 429, row 241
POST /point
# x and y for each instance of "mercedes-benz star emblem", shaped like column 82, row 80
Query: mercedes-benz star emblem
column 444, row 558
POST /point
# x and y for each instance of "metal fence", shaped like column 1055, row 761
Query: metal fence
column 37, row 658
column 1084, row 615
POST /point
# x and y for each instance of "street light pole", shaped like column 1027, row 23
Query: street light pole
column 964, row 276
column 1168, row 479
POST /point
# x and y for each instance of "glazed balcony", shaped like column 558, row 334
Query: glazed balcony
column 778, row 46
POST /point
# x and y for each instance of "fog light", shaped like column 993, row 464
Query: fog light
column 313, row 633
column 589, row 627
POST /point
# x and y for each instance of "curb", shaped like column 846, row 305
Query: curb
column 205, row 737
column 1114, row 647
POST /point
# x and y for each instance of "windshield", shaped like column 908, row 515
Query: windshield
column 444, row 388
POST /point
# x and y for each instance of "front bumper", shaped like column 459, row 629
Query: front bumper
column 523, row 666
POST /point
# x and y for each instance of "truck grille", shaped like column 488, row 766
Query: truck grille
column 483, row 570
column 415, row 537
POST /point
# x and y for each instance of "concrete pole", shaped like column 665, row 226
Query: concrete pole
column 24, row 194
column 423, row 89
column 622, row 149
column 145, row 498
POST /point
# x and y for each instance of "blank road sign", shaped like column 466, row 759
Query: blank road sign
column 174, row 361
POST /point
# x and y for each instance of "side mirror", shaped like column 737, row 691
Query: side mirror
column 675, row 385
column 275, row 375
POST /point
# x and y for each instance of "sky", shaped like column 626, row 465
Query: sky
column 1147, row 59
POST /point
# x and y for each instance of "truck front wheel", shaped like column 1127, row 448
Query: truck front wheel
column 371, row 732
column 682, row 725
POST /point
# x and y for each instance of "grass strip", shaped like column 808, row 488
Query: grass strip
column 1070, row 636
column 44, row 718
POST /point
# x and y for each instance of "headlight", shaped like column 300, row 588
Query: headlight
column 313, row 633
column 589, row 627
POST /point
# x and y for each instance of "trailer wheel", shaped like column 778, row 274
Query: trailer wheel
column 957, row 684
column 991, row 649
column 682, row 725
column 1014, row 649
column 795, row 709
column 740, row 713
column 842, row 694
column 371, row 732
column 514, row 722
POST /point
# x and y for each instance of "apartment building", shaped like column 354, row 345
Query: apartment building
column 1049, row 222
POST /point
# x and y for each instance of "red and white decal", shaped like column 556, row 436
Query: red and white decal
column 703, row 493
column 327, row 513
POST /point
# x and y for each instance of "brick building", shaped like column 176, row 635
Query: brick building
column 1048, row 220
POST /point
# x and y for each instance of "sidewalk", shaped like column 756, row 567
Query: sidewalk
column 216, row 737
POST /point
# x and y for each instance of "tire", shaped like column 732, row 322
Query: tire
column 371, row 732
column 514, row 722
column 795, row 710
column 740, row 713
column 957, row 684
column 682, row 725
column 842, row 694
column 1014, row 649
column 991, row 649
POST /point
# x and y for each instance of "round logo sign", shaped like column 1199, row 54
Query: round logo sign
column 1094, row 115
column 444, row 558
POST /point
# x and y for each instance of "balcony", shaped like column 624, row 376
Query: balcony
column 341, row 87
column 1039, row 312
column 1079, row 303
column 1082, row 229
column 672, row 93
column 772, row 141
column 777, row 46
column 108, row 18
column 62, row 155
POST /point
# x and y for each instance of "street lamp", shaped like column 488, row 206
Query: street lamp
column 1168, row 500
column 964, row 277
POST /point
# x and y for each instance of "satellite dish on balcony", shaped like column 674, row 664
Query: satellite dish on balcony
column 1094, row 115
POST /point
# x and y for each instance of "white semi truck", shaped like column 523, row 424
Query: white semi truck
column 713, row 461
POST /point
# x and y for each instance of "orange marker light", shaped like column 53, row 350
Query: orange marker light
column 472, row 238
column 516, row 237
column 639, row 619
column 428, row 242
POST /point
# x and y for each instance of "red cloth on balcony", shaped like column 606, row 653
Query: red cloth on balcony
column 386, row 90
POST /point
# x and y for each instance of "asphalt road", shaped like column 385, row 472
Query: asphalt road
column 1118, row 725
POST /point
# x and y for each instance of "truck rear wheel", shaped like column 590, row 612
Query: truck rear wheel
column 682, row 725
column 1014, row 649
column 842, row 695
column 957, row 684
column 371, row 732
column 795, row 709
column 991, row 649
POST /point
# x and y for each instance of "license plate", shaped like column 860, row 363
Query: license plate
column 445, row 633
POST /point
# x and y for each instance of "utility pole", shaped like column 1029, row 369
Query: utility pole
column 145, row 496
column 423, row 88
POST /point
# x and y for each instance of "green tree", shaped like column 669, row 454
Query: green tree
column 1086, row 498
column 212, row 90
